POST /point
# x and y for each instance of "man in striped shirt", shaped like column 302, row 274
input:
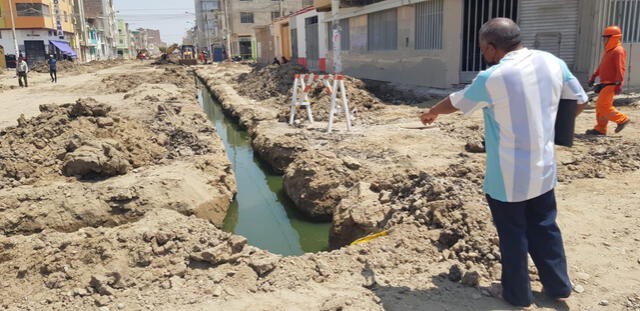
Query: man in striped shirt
column 519, row 95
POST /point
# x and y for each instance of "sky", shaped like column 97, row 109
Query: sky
column 172, row 17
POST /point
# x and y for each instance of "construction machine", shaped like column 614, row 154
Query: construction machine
column 187, row 54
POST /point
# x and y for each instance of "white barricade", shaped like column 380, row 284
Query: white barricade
column 303, row 84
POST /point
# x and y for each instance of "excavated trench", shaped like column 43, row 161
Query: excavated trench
column 261, row 211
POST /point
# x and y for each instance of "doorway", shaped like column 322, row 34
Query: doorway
column 476, row 13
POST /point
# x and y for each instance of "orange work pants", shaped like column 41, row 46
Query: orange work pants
column 605, row 111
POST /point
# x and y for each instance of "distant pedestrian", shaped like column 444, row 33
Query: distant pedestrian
column 53, row 69
column 519, row 96
column 22, row 69
column 201, row 57
column 275, row 61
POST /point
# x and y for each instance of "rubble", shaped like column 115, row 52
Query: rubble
column 75, row 67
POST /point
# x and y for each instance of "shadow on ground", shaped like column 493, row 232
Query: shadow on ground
column 450, row 296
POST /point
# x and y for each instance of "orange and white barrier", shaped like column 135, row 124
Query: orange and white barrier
column 303, row 84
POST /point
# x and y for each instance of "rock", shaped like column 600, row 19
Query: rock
column 104, row 122
column 237, row 243
column 471, row 278
column 351, row 163
column 262, row 265
column 101, row 284
column 603, row 303
column 455, row 273
column 217, row 291
column 578, row 289
column 358, row 214
column 101, row 301
column 100, row 158
column 22, row 121
column 80, row 292
column 475, row 146
column 120, row 306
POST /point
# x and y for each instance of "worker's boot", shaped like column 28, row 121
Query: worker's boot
column 594, row 132
column 622, row 125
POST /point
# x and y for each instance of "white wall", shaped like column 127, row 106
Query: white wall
column 28, row 35
column 405, row 65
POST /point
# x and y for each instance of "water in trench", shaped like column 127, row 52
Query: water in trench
column 261, row 211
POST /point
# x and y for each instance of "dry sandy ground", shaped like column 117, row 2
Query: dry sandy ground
column 163, row 260
column 599, row 216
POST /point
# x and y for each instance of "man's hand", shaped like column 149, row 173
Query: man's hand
column 590, row 83
column 428, row 117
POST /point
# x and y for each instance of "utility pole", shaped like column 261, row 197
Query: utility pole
column 336, row 37
column 227, row 46
column 13, row 28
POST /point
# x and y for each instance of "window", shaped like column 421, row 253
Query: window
column 32, row 9
column 429, row 25
column 209, row 5
column 382, row 30
column 345, row 42
column 246, row 18
column 275, row 15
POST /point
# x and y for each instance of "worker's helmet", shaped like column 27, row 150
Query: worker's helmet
column 611, row 31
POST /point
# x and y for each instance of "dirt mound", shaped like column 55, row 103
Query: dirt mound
column 264, row 82
column 82, row 139
column 128, row 265
column 66, row 66
column 170, row 60
column 275, row 83
column 449, row 204
column 122, row 83
column 601, row 157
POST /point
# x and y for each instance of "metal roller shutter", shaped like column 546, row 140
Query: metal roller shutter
column 550, row 25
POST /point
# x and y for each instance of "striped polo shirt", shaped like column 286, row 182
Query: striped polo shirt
column 520, row 97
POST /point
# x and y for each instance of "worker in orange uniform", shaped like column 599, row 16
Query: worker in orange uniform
column 611, row 72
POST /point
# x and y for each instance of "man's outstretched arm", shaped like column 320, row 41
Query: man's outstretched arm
column 443, row 107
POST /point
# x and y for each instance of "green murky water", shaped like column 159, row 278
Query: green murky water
column 261, row 212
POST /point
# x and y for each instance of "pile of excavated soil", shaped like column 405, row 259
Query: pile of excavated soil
column 75, row 67
column 83, row 139
column 264, row 82
column 163, row 258
column 169, row 60
column 601, row 157
column 88, row 140
column 122, row 83
column 275, row 84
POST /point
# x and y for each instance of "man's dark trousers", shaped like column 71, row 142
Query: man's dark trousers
column 23, row 76
column 530, row 227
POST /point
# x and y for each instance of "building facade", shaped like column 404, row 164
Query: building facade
column 124, row 44
column 245, row 15
column 42, row 27
column 103, row 29
column 207, row 32
column 434, row 43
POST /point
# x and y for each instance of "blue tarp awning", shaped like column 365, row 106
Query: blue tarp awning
column 64, row 47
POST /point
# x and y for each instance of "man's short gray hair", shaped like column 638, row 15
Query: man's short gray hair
column 502, row 33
